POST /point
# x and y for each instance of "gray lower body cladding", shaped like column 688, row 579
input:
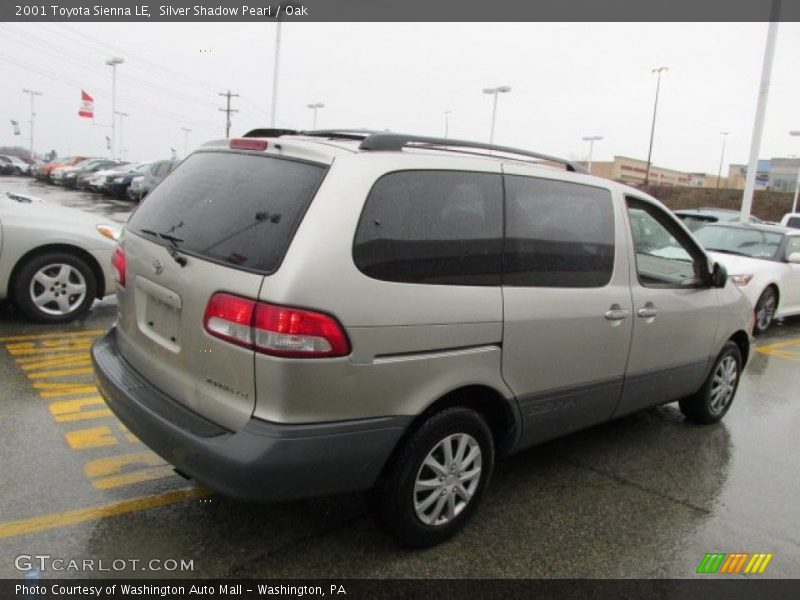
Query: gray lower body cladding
column 263, row 461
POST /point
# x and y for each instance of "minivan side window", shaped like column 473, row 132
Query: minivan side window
column 432, row 227
column 664, row 255
column 558, row 234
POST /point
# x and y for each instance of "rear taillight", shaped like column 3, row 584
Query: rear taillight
column 276, row 330
column 118, row 262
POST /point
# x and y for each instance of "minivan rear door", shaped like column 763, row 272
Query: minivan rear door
column 219, row 223
column 566, row 301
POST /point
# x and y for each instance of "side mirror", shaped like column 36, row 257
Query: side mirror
column 794, row 258
column 719, row 276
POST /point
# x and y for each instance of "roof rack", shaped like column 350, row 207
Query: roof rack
column 372, row 140
column 397, row 141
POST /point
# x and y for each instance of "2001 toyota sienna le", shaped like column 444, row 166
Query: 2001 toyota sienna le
column 312, row 313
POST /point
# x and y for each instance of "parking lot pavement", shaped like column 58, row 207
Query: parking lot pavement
column 644, row 496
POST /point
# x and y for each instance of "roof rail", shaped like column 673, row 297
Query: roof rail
column 347, row 134
column 397, row 141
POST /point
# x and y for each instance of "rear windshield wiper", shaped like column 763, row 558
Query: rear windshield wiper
column 172, row 245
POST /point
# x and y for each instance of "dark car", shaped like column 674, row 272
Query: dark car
column 694, row 219
column 117, row 183
column 79, row 178
column 154, row 174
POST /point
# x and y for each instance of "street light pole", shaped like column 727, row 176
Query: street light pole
column 653, row 126
column 274, row 112
column 447, row 114
column 186, row 132
column 113, row 62
column 722, row 156
column 797, row 183
column 33, row 94
column 591, row 139
column 121, row 147
column 503, row 89
column 761, row 109
column 315, row 106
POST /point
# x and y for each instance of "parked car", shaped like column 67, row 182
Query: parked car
column 694, row 219
column 13, row 165
column 55, row 260
column 79, row 177
column 764, row 261
column 312, row 314
column 135, row 189
column 100, row 179
column 791, row 220
column 117, row 184
column 155, row 174
column 57, row 175
column 47, row 169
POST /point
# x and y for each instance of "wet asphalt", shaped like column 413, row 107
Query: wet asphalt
column 645, row 496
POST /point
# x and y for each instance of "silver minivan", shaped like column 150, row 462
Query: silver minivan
column 311, row 313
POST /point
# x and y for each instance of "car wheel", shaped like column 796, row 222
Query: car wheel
column 55, row 287
column 435, row 482
column 765, row 310
column 710, row 403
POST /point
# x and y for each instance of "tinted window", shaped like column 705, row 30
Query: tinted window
column 793, row 222
column 239, row 209
column 438, row 227
column 663, row 255
column 558, row 234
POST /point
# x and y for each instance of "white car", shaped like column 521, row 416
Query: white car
column 54, row 260
column 764, row 261
column 791, row 220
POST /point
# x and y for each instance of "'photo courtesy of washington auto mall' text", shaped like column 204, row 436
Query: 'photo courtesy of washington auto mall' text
column 422, row 299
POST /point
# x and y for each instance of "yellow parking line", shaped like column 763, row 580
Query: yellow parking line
column 81, row 515
column 44, row 336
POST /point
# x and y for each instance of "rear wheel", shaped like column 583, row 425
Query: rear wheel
column 765, row 309
column 436, row 481
column 712, row 401
column 55, row 287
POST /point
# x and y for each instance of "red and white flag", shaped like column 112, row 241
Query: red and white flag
column 87, row 106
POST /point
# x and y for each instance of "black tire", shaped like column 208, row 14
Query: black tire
column 393, row 499
column 710, row 403
column 24, row 288
column 764, row 310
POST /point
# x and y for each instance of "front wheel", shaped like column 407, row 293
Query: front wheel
column 765, row 310
column 710, row 403
column 436, row 481
column 55, row 287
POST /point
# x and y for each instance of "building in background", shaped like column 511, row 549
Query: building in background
column 632, row 171
column 776, row 174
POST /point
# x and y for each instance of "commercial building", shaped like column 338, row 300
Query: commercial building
column 776, row 174
column 632, row 171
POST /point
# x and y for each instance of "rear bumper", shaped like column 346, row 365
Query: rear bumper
column 261, row 462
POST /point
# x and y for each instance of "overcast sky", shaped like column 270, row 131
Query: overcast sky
column 568, row 81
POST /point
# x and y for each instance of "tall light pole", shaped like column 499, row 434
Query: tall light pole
column 121, row 147
column 315, row 106
column 658, row 71
column 113, row 62
column 591, row 139
column 33, row 94
column 274, row 111
column 503, row 89
column 797, row 183
column 447, row 114
column 186, row 132
column 761, row 109
column 724, row 135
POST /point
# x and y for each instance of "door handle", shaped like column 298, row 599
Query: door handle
column 648, row 312
column 617, row 314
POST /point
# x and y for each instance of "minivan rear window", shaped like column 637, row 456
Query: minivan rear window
column 234, row 208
